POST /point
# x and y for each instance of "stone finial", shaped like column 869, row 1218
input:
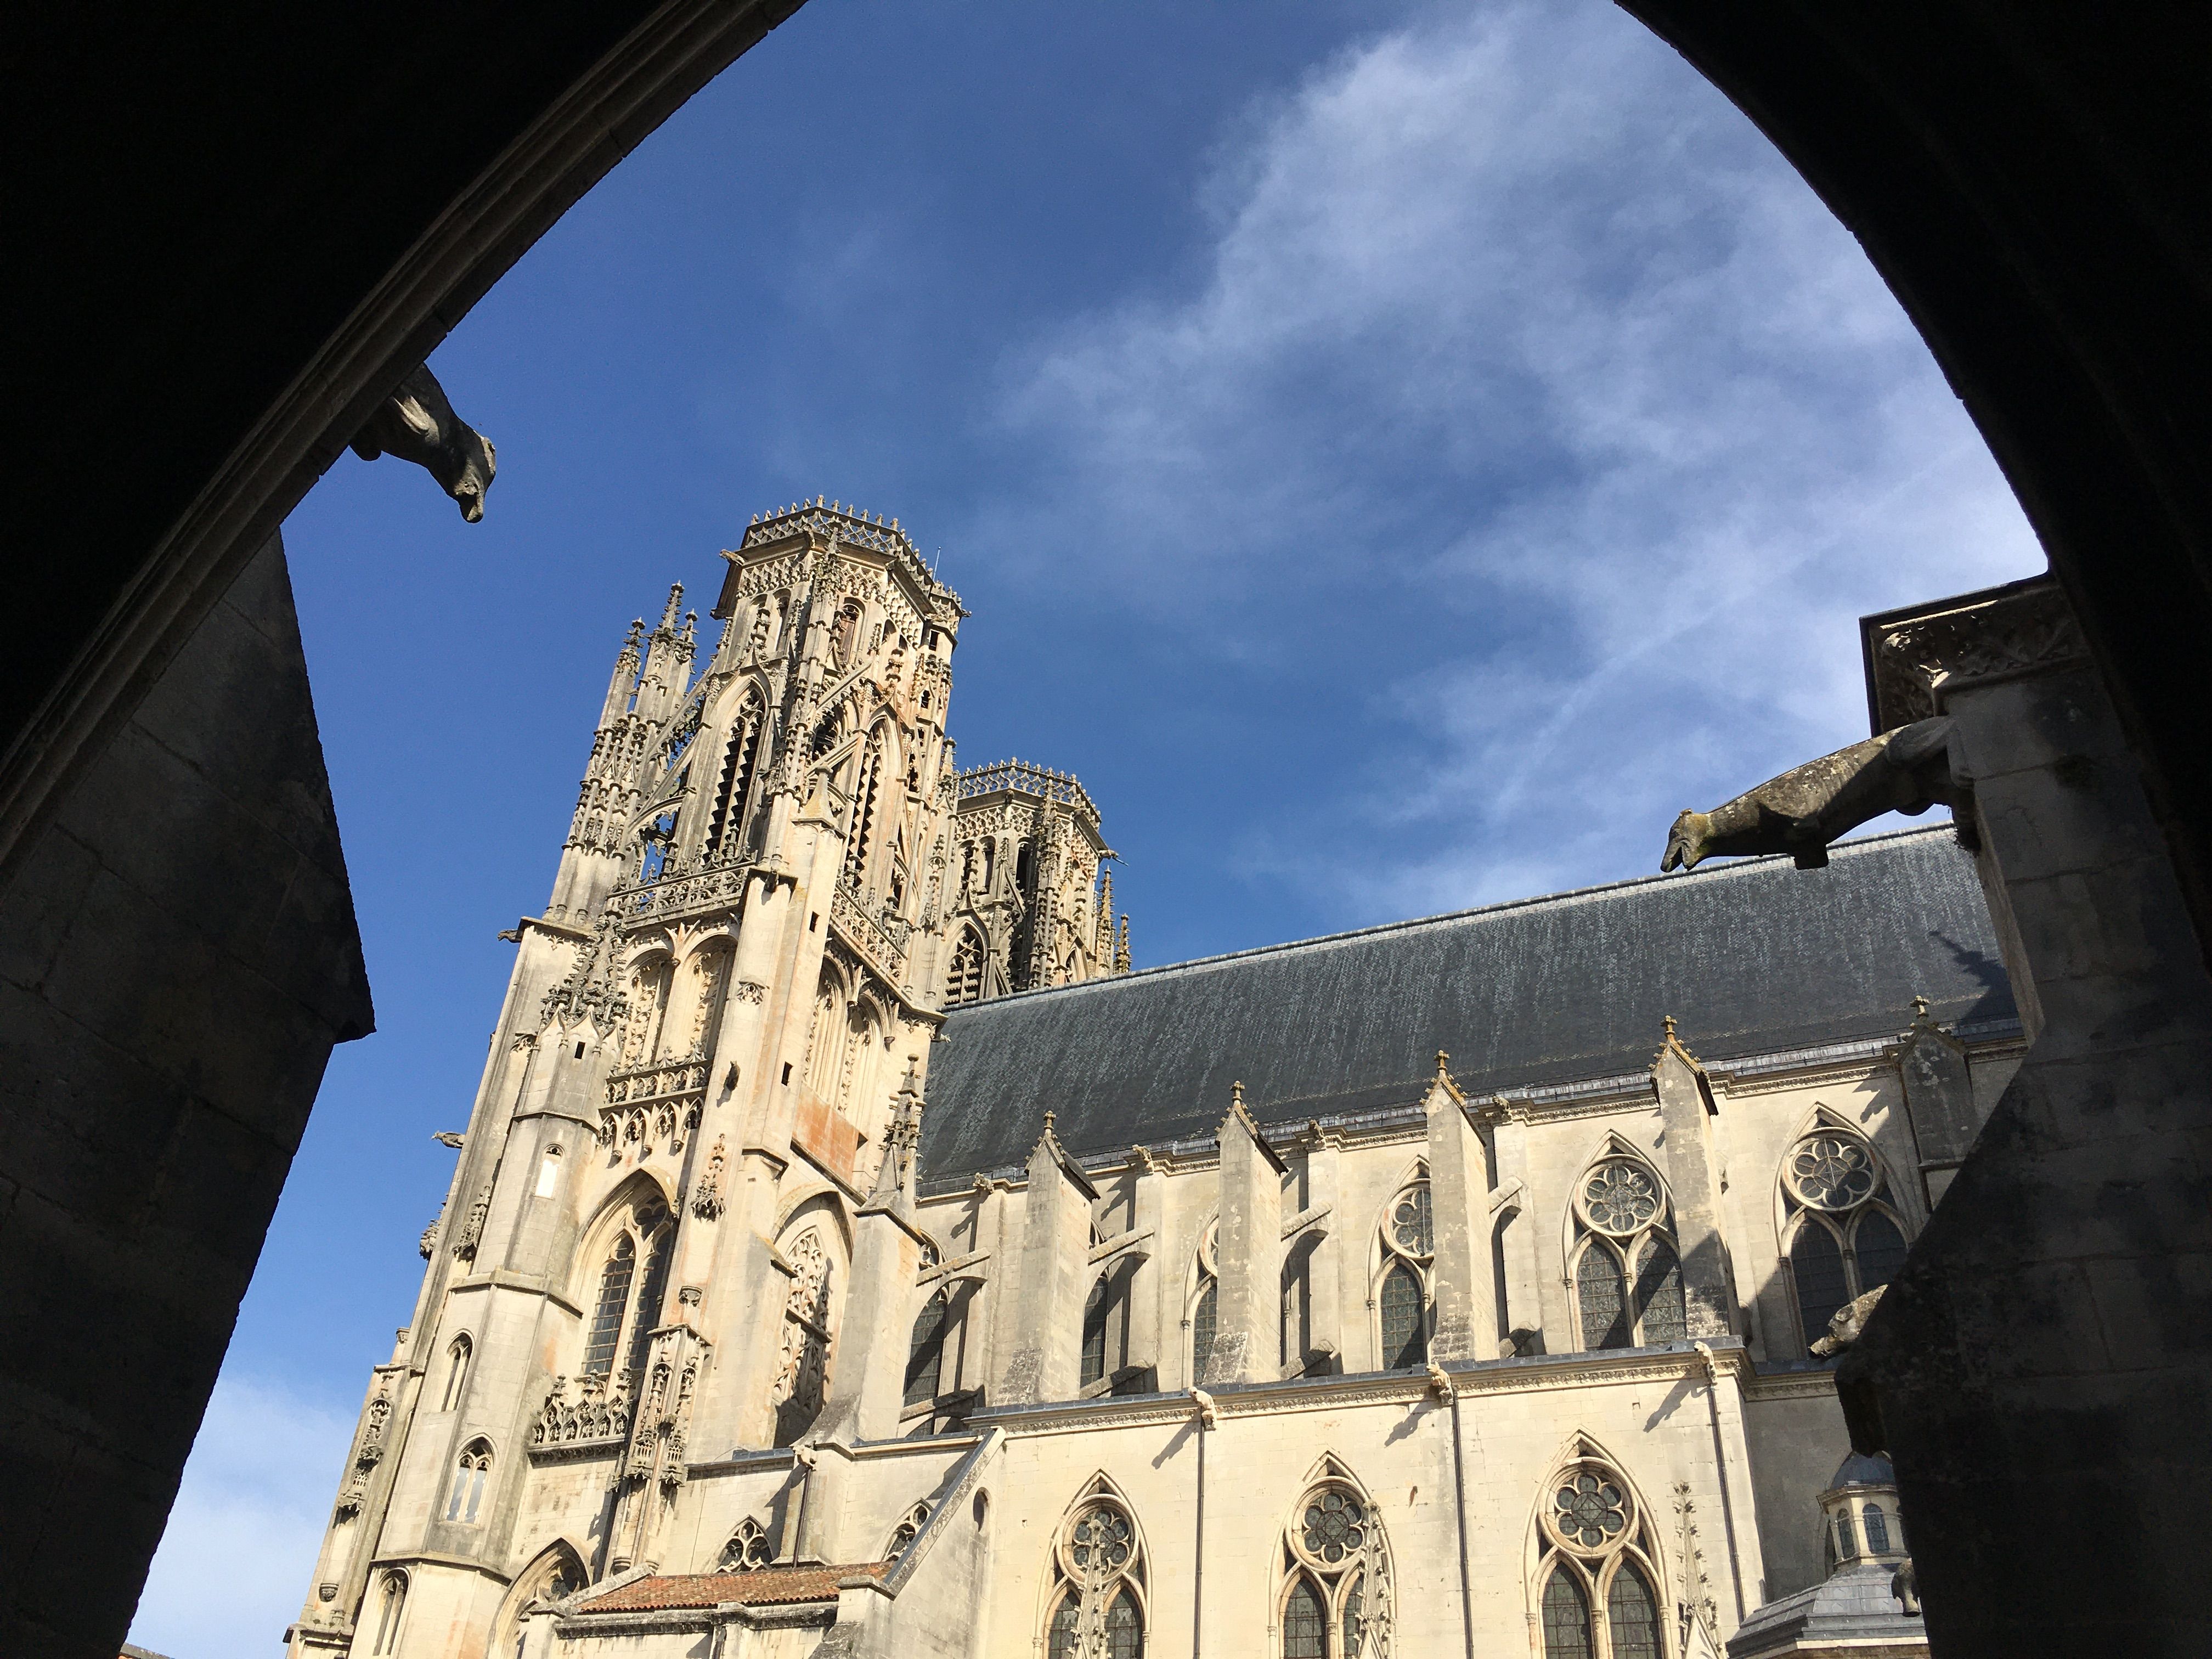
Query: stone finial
column 1047, row 1122
column 675, row 598
column 1920, row 1010
column 1236, row 1096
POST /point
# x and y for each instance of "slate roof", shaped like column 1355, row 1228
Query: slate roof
column 1752, row 957
column 763, row 1587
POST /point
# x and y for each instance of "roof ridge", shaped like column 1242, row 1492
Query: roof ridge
column 1733, row 868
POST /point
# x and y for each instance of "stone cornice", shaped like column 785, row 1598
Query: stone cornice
column 1916, row 658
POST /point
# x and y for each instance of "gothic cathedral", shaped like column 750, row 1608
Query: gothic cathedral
column 850, row 1255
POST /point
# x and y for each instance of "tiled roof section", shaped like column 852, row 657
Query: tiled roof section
column 1752, row 958
column 763, row 1586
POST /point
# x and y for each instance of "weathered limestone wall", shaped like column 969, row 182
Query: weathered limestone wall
column 180, row 955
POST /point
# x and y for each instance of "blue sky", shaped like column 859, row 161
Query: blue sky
column 1396, row 454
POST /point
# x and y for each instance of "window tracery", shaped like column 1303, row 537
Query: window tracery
column 908, row 1528
column 1335, row 1600
column 964, row 980
column 804, row 1367
column 1095, row 1309
column 748, row 1549
column 1206, row 1299
column 1840, row 1234
column 1097, row 1609
column 1403, row 1289
column 471, row 1471
column 621, row 1322
column 1597, row 1587
column 457, row 1371
column 740, row 763
column 391, row 1605
column 1627, row 1277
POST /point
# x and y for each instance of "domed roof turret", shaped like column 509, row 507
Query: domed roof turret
column 1859, row 1471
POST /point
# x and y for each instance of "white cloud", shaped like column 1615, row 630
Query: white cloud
column 234, row 1562
column 1512, row 313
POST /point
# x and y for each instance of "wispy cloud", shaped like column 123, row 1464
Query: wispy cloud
column 1518, row 344
column 234, row 1562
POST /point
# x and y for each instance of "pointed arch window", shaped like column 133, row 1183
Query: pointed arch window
column 866, row 783
column 1205, row 1301
column 629, row 1305
column 748, row 1550
column 613, row 1304
column 390, row 1606
column 925, row 1354
column 1841, row 1236
column 1628, row 1276
column 740, row 760
column 1096, row 1311
column 1099, row 1576
column 1403, row 1290
column 964, row 980
column 802, row 1373
column 1598, row 1595
column 457, row 1372
column 1334, row 1599
column 465, row 1500
column 908, row 1528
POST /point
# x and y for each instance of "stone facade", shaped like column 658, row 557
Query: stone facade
column 719, row 1349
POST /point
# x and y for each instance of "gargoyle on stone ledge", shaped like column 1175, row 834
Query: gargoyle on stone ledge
column 418, row 424
column 1907, row 770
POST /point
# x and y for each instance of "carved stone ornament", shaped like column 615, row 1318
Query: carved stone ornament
column 418, row 424
column 748, row 990
column 706, row 1197
column 465, row 1246
column 1914, row 662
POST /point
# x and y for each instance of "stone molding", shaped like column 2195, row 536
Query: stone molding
column 1917, row 657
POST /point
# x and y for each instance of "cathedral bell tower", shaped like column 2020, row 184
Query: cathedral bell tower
column 703, row 1044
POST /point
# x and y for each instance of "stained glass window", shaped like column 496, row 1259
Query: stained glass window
column 1879, row 1249
column 1334, row 1528
column 1832, row 1171
column 1353, row 1625
column 614, row 1301
column 925, row 1357
column 1061, row 1641
column 1659, row 1295
column 1404, row 1334
column 1877, row 1529
column 1305, row 1624
column 1619, row 1196
column 1566, row 1618
column 1094, row 1335
column 1202, row 1330
column 1125, row 1628
column 1818, row 1266
column 1632, row 1616
column 1845, row 1547
column 1590, row 1510
column 1604, row 1307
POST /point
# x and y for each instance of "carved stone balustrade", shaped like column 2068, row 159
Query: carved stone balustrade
column 600, row 1412
column 886, row 956
column 664, row 1078
column 715, row 887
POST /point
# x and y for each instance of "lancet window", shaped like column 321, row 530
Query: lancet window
column 1598, row 1584
column 1627, row 1278
column 924, row 1356
column 1839, row 1232
column 802, row 1370
column 964, row 980
column 1402, row 1288
column 633, row 1283
column 1335, row 1599
column 390, row 1606
column 457, row 1372
column 740, row 762
column 1097, row 1609
column 1205, row 1300
column 465, row 1499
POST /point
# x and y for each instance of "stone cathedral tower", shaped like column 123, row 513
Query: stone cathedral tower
column 724, row 1013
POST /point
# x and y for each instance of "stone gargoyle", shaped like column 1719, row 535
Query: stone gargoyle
column 1907, row 770
column 1850, row 1320
column 418, row 424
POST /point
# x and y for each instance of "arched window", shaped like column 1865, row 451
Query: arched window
column 862, row 825
column 1403, row 1292
column 925, row 1353
column 466, row 1500
column 908, row 1528
column 613, row 1304
column 803, row 1371
column 457, row 1372
column 647, row 1314
column 1098, row 1580
column 964, row 980
column 1627, row 1277
column 1597, row 1579
column 748, row 1549
column 1095, row 1312
column 391, row 1604
column 1841, row 1237
column 1205, row 1300
column 740, row 759
column 1335, row 1599
column 1025, row 868
column 1877, row 1529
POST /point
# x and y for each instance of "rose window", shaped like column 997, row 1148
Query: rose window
column 1335, row 1527
column 1831, row 1172
column 1619, row 1197
column 1099, row 1545
column 1590, row 1510
column 1409, row 1222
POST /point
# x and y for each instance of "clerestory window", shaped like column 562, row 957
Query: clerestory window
column 1840, row 1235
column 1627, row 1277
